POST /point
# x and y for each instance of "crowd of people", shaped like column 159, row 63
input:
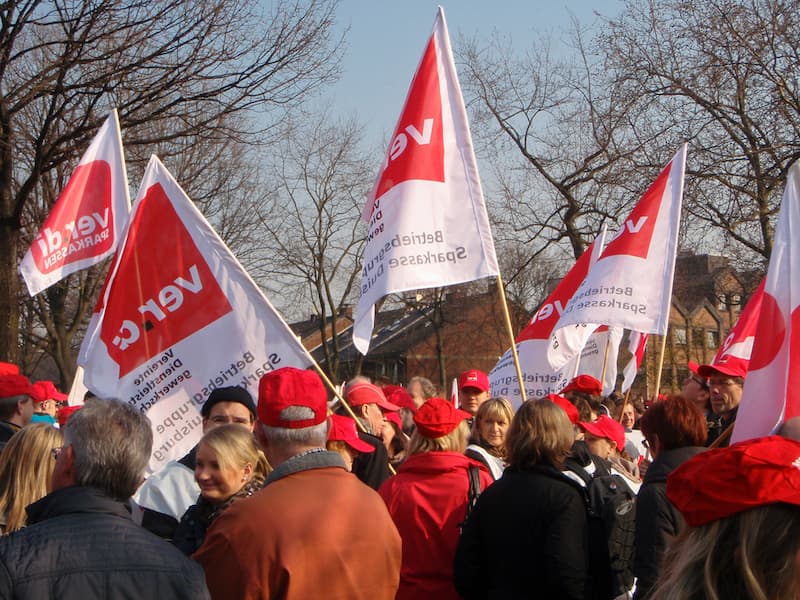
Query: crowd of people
column 395, row 492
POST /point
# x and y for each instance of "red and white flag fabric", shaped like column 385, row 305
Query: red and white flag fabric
column 637, row 343
column 427, row 220
column 86, row 222
column 454, row 392
column 770, row 394
column 599, row 356
column 630, row 286
column 179, row 318
column 734, row 353
column 532, row 342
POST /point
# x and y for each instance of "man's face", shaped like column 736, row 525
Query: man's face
column 373, row 415
column 695, row 392
column 470, row 399
column 726, row 393
column 224, row 413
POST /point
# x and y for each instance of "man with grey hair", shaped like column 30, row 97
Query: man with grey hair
column 314, row 531
column 82, row 537
column 16, row 405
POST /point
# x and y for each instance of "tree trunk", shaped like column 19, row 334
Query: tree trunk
column 9, row 291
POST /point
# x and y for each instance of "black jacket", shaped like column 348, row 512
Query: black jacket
column 372, row 467
column 657, row 520
column 527, row 535
column 7, row 430
column 80, row 544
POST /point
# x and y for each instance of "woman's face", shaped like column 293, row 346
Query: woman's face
column 601, row 447
column 217, row 484
column 387, row 433
column 628, row 416
column 493, row 430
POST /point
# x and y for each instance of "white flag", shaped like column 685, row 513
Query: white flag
column 532, row 342
column 86, row 222
column 630, row 286
column 637, row 342
column 599, row 357
column 770, row 394
column 427, row 219
column 180, row 317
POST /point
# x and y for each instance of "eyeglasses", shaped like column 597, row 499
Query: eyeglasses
column 56, row 452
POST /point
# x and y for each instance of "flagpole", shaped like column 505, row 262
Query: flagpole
column 660, row 364
column 502, row 291
column 347, row 407
column 605, row 360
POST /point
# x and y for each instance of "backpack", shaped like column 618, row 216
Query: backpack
column 611, row 509
column 474, row 474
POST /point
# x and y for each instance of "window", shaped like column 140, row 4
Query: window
column 712, row 339
column 679, row 335
column 698, row 337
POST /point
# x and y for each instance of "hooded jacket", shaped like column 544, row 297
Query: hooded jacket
column 428, row 502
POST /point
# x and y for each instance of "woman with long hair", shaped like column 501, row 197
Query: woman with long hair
column 26, row 465
column 742, row 508
column 488, row 441
column 528, row 534
column 229, row 466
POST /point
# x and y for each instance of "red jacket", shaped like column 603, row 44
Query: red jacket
column 428, row 500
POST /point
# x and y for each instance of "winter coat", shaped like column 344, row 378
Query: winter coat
column 80, row 544
column 527, row 537
column 372, row 467
column 657, row 520
column 428, row 502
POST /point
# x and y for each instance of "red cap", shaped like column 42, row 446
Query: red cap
column 569, row 407
column 474, row 379
column 398, row 396
column 586, row 384
column 63, row 414
column 733, row 367
column 721, row 482
column 343, row 429
column 46, row 390
column 14, row 385
column 367, row 393
column 394, row 417
column 437, row 417
column 606, row 427
column 287, row 387
column 694, row 367
column 8, row 369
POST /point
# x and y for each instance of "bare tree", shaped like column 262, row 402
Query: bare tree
column 720, row 74
column 321, row 178
column 177, row 71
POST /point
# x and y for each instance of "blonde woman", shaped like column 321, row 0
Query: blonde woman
column 488, row 442
column 428, row 500
column 229, row 466
column 26, row 465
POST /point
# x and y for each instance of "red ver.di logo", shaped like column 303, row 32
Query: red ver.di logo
column 163, row 291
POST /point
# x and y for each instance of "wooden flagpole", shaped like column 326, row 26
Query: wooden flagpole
column 605, row 360
column 502, row 291
column 660, row 364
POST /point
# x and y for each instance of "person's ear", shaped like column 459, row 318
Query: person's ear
column 248, row 472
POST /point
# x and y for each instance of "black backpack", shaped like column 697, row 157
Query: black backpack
column 474, row 475
column 611, row 508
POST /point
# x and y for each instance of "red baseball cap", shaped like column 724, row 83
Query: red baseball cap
column 367, row 393
column 606, row 427
column 734, row 367
column 46, row 390
column 14, row 385
column 8, row 369
column 586, row 384
column 569, row 407
column 394, row 417
column 343, row 429
column 63, row 414
column 474, row 379
column 721, row 482
column 437, row 417
column 395, row 394
column 287, row 387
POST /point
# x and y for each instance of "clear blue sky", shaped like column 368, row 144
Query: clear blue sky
column 386, row 40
